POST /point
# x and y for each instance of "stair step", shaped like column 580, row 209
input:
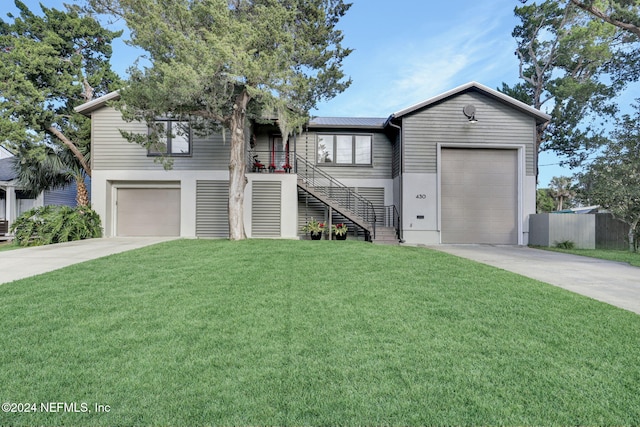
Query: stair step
column 386, row 236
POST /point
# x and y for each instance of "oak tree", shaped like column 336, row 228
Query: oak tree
column 230, row 61
column 567, row 63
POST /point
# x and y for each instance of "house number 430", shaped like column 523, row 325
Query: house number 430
column 421, row 196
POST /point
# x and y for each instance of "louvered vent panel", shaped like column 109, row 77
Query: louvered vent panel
column 212, row 215
column 265, row 209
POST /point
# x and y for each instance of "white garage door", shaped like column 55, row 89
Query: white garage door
column 479, row 196
column 148, row 212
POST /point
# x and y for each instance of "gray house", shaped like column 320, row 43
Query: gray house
column 14, row 201
column 457, row 168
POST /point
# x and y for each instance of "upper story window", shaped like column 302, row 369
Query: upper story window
column 174, row 138
column 345, row 149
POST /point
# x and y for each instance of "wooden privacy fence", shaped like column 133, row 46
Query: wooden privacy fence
column 586, row 231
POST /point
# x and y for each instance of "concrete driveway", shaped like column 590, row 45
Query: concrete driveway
column 612, row 282
column 25, row 262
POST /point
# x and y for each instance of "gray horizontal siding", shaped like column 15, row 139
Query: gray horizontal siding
column 110, row 151
column 445, row 123
column 382, row 155
column 376, row 196
column 266, row 209
column 61, row 196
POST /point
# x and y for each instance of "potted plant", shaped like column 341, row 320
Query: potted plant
column 340, row 231
column 314, row 228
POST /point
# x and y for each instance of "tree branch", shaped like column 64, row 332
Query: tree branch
column 71, row 147
column 600, row 14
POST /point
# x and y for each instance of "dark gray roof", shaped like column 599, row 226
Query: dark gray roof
column 348, row 122
column 6, row 169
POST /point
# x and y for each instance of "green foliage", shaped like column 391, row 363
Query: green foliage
column 565, row 244
column 569, row 66
column 56, row 224
column 43, row 167
column 608, row 254
column 49, row 64
column 622, row 13
column 544, row 201
column 339, row 229
column 313, row 227
column 285, row 55
column 613, row 179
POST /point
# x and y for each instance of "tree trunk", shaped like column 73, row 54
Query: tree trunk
column 72, row 147
column 82, row 195
column 237, row 168
column 631, row 235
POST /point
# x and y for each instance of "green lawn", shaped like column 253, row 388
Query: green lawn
column 632, row 258
column 260, row 332
column 7, row 246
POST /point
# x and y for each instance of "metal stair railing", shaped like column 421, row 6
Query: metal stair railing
column 392, row 218
column 350, row 204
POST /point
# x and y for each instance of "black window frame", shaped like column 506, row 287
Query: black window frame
column 169, row 139
column 353, row 137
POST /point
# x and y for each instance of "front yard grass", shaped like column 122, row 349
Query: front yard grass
column 8, row 246
column 261, row 332
column 632, row 258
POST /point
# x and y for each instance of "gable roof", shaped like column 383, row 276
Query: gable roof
column 477, row 87
column 4, row 153
column 7, row 173
column 373, row 122
column 95, row 104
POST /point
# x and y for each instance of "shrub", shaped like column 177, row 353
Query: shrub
column 565, row 244
column 56, row 224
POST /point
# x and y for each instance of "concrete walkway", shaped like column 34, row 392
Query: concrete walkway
column 612, row 282
column 25, row 262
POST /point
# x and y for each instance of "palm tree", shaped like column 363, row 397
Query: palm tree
column 561, row 190
column 43, row 167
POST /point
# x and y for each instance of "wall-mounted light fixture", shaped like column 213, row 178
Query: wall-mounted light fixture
column 470, row 112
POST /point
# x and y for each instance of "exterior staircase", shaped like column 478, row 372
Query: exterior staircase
column 386, row 236
column 348, row 203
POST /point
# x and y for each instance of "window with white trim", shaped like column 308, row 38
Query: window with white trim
column 354, row 150
column 174, row 138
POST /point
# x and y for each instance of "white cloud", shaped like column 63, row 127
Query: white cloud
column 414, row 64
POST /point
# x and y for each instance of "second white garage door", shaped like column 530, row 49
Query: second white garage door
column 479, row 190
column 148, row 212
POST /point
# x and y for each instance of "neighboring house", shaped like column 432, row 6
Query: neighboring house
column 457, row 168
column 13, row 201
column 4, row 153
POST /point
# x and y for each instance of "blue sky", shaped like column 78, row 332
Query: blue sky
column 406, row 51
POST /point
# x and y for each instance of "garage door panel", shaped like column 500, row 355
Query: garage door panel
column 479, row 201
column 148, row 212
